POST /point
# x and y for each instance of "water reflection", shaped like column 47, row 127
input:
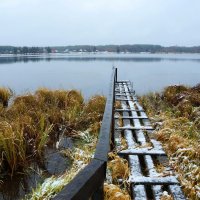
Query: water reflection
column 130, row 58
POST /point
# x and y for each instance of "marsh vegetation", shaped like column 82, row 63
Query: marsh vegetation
column 59, row 121
column 34, row 125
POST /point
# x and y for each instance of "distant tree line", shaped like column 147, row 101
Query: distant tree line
column 137, row 48
column 24, row 50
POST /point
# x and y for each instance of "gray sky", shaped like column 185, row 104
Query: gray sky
column 71, row 22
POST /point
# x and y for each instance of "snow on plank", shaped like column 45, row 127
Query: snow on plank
column 176, row 192
column 135, row 128
column 142, row 151
column 157, row 145
column 121, row 99
column 135, row 170
column 117, row 139
column 128, row 110
column 153, row 180
column 139, row 192
column 157, row 189
column 130, row 117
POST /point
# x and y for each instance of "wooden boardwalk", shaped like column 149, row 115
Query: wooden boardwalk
column 143, row 152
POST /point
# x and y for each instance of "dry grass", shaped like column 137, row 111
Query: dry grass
column 35, row 120
column 118, row 167
column 118, row 105
column 176, row 115
column 171, row 93
column 124, row 144
column 12, row 146
column 114, row 192
column 118, row 187
column 5, row 95
column 160, row 168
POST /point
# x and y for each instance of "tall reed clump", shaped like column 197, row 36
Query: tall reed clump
column 12, row 146
column 5, row 95
column 176, row 114
column 35, row 120
column 93, row 113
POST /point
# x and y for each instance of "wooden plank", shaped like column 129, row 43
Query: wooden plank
column 142, row 151
column 177, row 193
column 130, row 92
column 134, row 128
column 125, row 95
column 169, row 180
column 139, row 192
column 128, row 117
column 157, row 189
column 128, row 110
column 123, row 81
column 120, row 99
column 118, row 139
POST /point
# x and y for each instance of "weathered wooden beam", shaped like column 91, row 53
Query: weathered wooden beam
column 106, row 134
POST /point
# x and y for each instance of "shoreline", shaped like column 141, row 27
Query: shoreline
column 100, row 55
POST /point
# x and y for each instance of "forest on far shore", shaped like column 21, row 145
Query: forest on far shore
column 137, row 48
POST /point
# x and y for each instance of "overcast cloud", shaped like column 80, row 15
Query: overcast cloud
column 72, row 22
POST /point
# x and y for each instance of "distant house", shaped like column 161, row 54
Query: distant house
column 54, row 51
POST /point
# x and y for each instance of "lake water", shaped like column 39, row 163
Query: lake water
column 91, row 73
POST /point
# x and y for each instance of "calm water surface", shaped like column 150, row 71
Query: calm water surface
column 91, row 73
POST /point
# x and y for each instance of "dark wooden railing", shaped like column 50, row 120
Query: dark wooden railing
column 88, row 183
